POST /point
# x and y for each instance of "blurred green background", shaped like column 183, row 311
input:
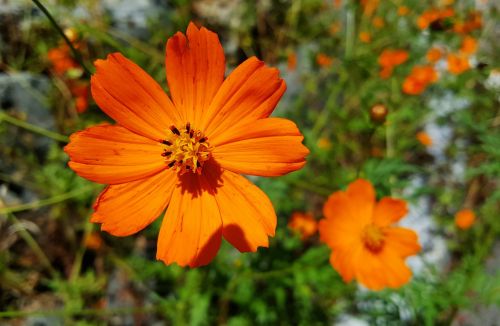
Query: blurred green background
column 58, row 269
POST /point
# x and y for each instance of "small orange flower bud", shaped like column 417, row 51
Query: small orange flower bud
column 323, row 60
column 324, row 143
column 403, row 10
column 378, row 22
column 424, row 138
column 93, row 241
column 465, row 218
column 292, row 61
column 378, row 113
column 304, row 224
column 469, row 45
column 434, row 54
column 457, row 63
column 365, row 37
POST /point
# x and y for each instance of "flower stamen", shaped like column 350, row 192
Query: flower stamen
column 373, row 238
column 186, row 150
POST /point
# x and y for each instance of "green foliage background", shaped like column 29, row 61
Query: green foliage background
column 47, row 272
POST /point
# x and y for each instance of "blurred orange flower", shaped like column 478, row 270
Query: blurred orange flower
column 469, row 45
column 473, row 22
column 62, row 62
column 392, row 57
column 457, row 63
column 378, row 22
column 304, row 224
column 80, row 91
column 389, row 58
column 403, row 10
column 365, row 37
column 465, row 218
column 323, row 60
column 369, row 7
column 335, row 28
column 424, row 138
column 93, row 241
column 292, row 61
column 185, row 153
column 61, row 59
column 324, row 143
column 434, row 54
column 433, row 15
column 418, row 80
column 365, row 244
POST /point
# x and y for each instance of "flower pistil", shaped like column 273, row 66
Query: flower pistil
column 186, row 150
column 373, row 238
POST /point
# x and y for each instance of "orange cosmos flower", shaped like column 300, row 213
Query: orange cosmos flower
column 378, row 22
column 335, row 28
column 424, row 138
column 80, row 91
column 419, row 78
column 93, row 241
column 474, row 21
column 457, row 63
column 324, row 143
column 187, row 152
column 465, row 218
column 434, row 54
column 365, row 244
column 292, row 61
column 390, row 58
column 365, row 37
column 304, row 224
column 433, row 15
column 403, row 10
column 323, row 60
column 61, row 60
column 469, row 45
column 369, row 6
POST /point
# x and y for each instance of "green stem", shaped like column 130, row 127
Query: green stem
column 83, row 312
column 28, row 126
column 45, row 202
column 44, row 260
column 311, row 187
column 76, row 54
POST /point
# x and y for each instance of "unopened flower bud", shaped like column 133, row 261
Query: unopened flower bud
column 378, row 113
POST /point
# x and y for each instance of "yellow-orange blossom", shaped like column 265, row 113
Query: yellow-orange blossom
column 184, row 154
column 365, row 244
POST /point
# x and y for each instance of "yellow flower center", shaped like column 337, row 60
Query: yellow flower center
column 373, row 238
column 186, row 150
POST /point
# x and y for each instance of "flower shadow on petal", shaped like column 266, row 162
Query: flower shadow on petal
column 209, row 180
column 235, row 234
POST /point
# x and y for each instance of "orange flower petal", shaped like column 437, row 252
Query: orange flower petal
column 403, row 241
column 128, row 208
column 249, row 93
column 112, row 154
column 362, row 197
column 339, row 229
column 388, row 211
column 195, row 70
column 247, row 213
column 344, row 261
column 266, row 147
column 377, row 271
column 131, row 97
column 191, row 231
